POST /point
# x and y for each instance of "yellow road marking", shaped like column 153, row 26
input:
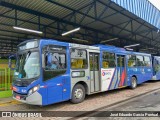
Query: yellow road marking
column 13, row 102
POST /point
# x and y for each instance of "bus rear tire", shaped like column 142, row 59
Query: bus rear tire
column 78, row 94
column 133, row 83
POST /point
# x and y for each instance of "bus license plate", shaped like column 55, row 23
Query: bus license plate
column 18, row 97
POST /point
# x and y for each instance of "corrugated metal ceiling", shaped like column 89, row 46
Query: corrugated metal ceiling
column 101, row 17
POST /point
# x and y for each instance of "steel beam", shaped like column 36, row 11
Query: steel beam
column 88, row 15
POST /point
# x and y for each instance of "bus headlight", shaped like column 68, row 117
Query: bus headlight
column 34, row 89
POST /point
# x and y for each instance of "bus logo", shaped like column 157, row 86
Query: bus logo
column 106, row 73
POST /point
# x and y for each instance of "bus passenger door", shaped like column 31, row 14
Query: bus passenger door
column 94, row 72
column 121, row 71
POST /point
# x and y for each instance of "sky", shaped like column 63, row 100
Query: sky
column 156, row 3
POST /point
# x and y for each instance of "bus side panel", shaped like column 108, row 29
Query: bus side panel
column 139, row 73
column 148, row 73
column 54, row 89
column 58, row 89
column 108, row 79
column 132, row 71
column 66, row 88
column 118, row 78
column 121, row 77
column 114, row 80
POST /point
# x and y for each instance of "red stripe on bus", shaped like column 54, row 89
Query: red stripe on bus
column 122, row 78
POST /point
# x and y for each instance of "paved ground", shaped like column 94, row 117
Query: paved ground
column 94, row 101
column 143, row 105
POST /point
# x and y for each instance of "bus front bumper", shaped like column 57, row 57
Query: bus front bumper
column 33, row 99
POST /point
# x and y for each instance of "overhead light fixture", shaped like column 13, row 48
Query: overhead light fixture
column 71, row 31
column 104, row 41
column 77, row 39
column 157, row 31
column 28, row 30
column 131, row 45
column 129, row 49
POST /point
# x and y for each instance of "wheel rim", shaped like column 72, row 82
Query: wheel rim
column 134, row 83
column 78, row 93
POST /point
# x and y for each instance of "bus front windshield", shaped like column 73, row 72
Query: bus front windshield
column 28, row 65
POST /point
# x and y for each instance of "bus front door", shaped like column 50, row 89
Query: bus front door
column 94, row 72
column 121, row 71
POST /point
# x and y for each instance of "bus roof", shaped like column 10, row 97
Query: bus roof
column 108, row 48
column 119, row 50
column 138, row 53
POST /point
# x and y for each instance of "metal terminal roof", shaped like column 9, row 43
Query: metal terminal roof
column 131, row 21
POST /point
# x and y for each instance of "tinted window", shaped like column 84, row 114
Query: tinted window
column 108, row 60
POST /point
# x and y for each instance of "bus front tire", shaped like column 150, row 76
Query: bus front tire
column 133, row 83
column 78, row 94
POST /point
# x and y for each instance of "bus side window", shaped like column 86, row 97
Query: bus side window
column 108, row 60
column 147, row 61
column 131, row 61
column 78, row 59
column 140, row 61
column 53, row 61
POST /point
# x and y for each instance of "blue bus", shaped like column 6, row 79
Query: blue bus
column 50, row 71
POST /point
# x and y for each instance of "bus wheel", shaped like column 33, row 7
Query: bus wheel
column 133, row 83
column 78, row 94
